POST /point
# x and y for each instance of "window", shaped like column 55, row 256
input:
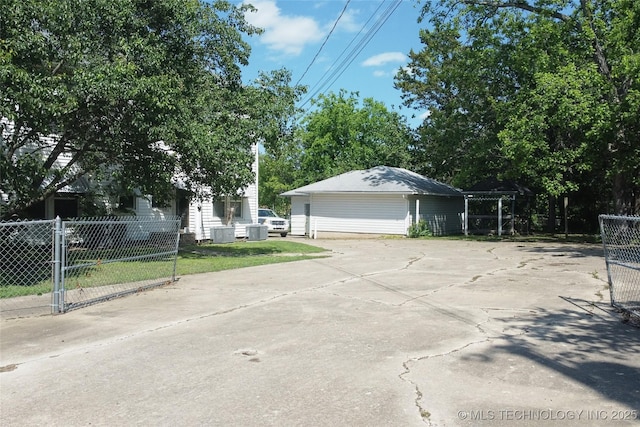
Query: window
column 235, row 206
column 218, row 208
column 226, row 205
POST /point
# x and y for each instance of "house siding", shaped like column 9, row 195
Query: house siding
column 45, row 147
column 298, row 218
column 359, row 213
column 202, row 216
column 442, row 214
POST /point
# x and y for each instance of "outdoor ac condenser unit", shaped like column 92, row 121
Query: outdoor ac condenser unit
column 257, row 232
column 223, row 234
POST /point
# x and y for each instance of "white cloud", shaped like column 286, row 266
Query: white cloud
column 384, row 58
column 288, row 34
column 347, row 23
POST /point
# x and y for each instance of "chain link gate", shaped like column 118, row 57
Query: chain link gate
column 621, row 240
column 26, row 261
column 55, row 266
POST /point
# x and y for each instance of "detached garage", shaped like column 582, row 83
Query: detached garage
column 380, row 200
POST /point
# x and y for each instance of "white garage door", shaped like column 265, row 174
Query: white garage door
column 358, row 213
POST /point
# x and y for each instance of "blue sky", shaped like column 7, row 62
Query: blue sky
column 369, row 43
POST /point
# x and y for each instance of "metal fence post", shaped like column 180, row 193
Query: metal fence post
column 604, row 236
column 177, row 247
column 63, row 264
column 57, row 251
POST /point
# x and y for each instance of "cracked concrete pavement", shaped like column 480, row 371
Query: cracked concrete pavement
column 383, row 332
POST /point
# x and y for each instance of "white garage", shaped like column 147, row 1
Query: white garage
column 380, row 200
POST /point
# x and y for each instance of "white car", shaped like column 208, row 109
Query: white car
column 274, row 223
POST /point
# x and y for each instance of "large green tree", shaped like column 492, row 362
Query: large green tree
column 130, row 92
column 545, row 91
column 278, row 159
column 341, row 134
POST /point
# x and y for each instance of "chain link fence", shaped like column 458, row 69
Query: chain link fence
column 26, row 267
column 55, row 266
column 621, row 240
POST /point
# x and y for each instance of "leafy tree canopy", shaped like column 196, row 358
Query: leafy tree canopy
column 134, row 93
column 277, row 163
column 543, row 91
column 338, row 135
column 341, row 135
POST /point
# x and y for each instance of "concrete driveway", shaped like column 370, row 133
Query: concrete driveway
column 383, row 332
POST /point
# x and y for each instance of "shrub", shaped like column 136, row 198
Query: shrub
column 421, row 229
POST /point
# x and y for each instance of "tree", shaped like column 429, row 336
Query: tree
column 128, row 92
column 458, row 140
column 277, row 175
column 340, row 136
column 552, row 86
column 277, row 163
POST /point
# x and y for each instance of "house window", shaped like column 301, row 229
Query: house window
column 218, row 208
column 227, row 206
column 235, row 206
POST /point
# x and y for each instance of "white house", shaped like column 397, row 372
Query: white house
column 198, row 217
column 380, row 200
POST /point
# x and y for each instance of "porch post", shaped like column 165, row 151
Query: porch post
column 500, row 216
column 466, row 216
column 513, row 215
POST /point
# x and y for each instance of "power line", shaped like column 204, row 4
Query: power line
column 325, row 42
column 346, row 62
column 331, row 68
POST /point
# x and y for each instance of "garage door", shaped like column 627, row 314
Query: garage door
column 357, row 213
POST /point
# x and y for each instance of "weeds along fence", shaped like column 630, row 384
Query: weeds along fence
column 621, row 240
column 55, row 266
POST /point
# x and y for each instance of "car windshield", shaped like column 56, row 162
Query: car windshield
column 266, row 212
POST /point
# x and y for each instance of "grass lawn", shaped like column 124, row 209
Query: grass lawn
column 207, row 258
column 191, row 260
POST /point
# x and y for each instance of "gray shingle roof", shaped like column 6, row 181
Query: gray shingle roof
column 380, row 179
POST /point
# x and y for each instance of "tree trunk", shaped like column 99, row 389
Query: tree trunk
column 551, row 217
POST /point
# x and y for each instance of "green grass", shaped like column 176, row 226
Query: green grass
column 217, row 257
column 264, row 247
column 195, row 259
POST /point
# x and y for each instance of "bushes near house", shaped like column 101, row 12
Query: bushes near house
column 419, row 229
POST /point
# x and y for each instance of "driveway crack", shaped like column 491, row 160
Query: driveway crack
column 424, row 413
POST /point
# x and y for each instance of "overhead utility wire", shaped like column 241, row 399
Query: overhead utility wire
column 332, row 67
column 361, row 45
column 355, row 51
column 325, row 42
